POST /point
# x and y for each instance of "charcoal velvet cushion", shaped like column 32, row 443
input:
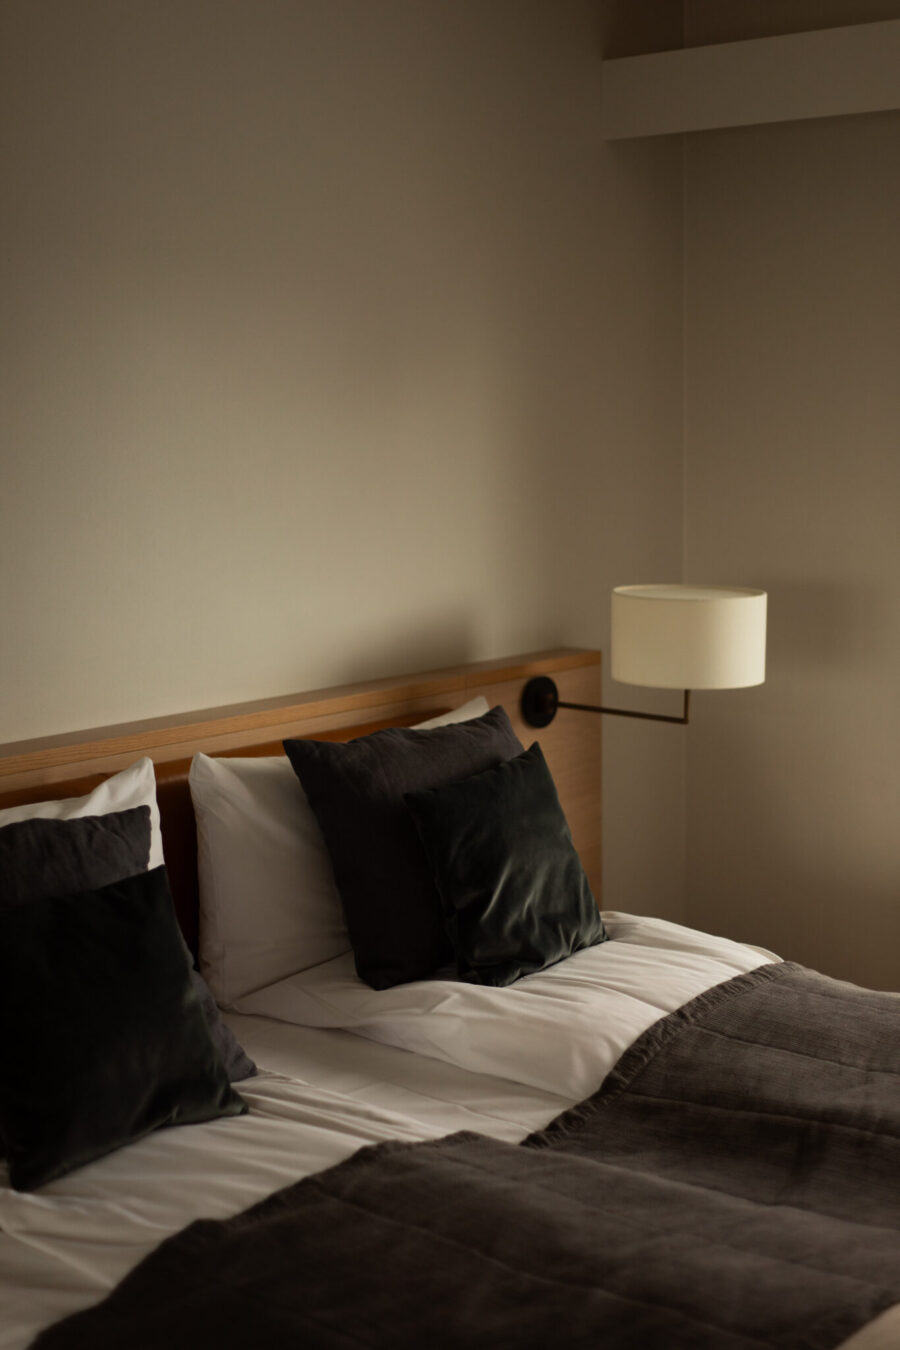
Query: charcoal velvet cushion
column 104, row 1039
column 356, row 792
column 43, row 858
column 515, row 895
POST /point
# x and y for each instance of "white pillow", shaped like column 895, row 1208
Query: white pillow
column 134, row 786
column 269, row 906
column 476, row 707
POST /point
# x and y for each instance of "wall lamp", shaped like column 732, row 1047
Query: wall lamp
column 672, row 637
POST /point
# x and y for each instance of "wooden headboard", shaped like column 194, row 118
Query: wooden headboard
column 73, row 764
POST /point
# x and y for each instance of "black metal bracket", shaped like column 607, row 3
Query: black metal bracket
column 540, row 700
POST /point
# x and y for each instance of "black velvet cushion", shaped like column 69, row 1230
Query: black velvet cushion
column 515, row 895
column 356, row 791
column 42, row 858
column 103, row 1035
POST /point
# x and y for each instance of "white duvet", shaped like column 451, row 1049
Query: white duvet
column 561, row 1030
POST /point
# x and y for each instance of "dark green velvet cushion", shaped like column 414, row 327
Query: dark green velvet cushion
column 515, row 895
column 356, row 791
column 102, row 1031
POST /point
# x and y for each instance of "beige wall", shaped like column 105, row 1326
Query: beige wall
column 335, row 344
column 793, row 483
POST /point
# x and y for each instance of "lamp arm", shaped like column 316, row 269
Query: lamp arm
column 628, row 712
column 540, row 700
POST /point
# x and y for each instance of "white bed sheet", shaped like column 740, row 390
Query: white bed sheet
column 560, row 1030
column 320, row 1096
column 503, row 1062
column 65, row 1246
column 427, row 1091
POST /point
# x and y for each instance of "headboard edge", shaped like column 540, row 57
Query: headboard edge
column 72, row 764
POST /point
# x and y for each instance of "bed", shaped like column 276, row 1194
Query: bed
column 460, row 1138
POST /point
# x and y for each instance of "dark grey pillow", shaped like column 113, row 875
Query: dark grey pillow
column 103, row 1037
column 515, row 895
column 238, row 1064
column 356, row 791
column 42, row 859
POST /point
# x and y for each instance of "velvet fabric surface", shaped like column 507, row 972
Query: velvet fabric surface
column 44, row 858
column 356, row 791
column 515, row 895
column 104, row 1039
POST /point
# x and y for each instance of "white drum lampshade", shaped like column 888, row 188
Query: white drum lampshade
column 688, row 637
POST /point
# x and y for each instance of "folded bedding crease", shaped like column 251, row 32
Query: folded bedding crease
column 560, row 1030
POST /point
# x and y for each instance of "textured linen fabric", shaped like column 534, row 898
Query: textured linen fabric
column 732, row 1186
column 44, row 858
column 103, row 1035
column 356, row 790
column 514, row 893
column 48, row 857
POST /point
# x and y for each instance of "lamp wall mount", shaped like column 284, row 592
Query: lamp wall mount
column 540, row 701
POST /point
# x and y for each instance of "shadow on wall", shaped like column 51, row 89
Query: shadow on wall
column 627, row 29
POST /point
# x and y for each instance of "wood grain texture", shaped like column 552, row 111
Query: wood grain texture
column 71, row 765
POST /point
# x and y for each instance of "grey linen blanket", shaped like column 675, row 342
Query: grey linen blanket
column 735, row 1183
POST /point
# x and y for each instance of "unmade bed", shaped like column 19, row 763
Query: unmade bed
column 663, row 1138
